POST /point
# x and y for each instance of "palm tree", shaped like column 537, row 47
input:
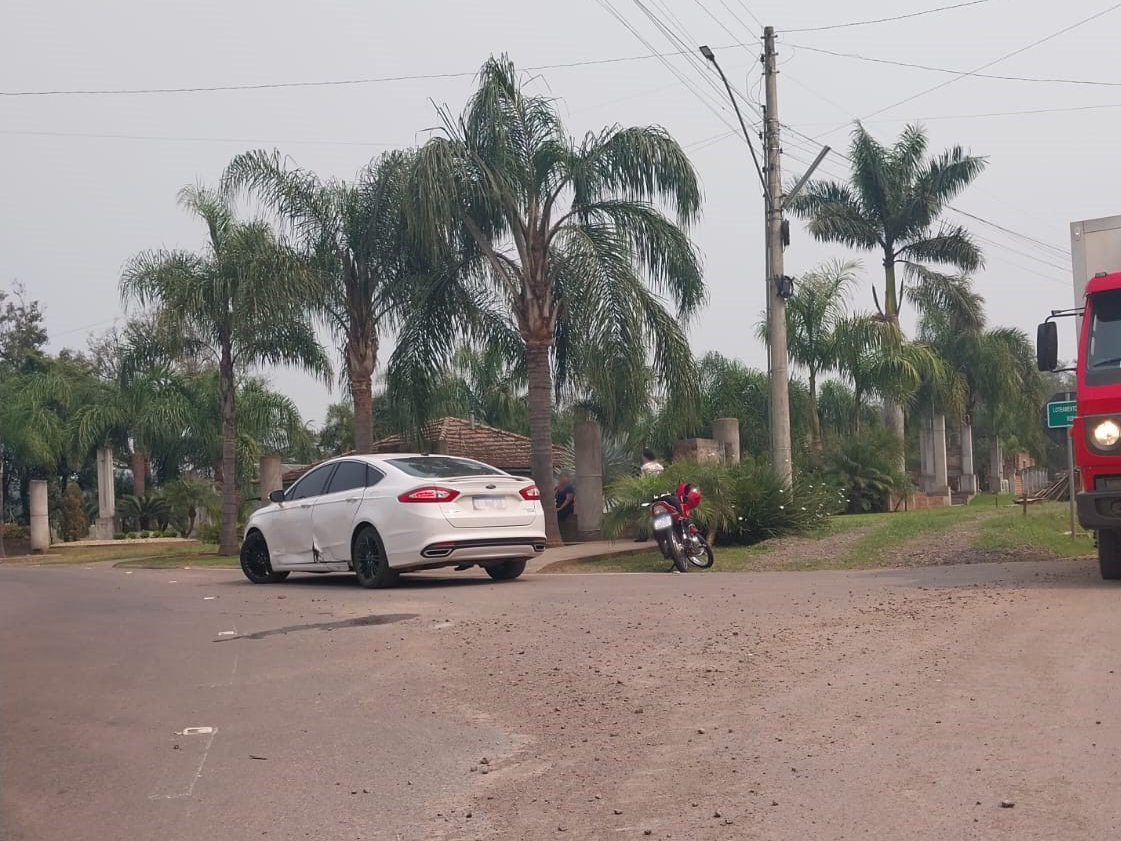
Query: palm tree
column 151, row 408
column 877, row 358
column 981, row 364
column 551, row 240
column 241, row 301
column 267, row 422
column 812, row 314
column 485, row 385
column 893, row 205
column 186, row 496
column 356, row 233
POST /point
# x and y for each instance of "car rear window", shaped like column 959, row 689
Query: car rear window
column 443, row 467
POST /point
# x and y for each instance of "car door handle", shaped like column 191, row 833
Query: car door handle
column 351, row 499
column 306, row 505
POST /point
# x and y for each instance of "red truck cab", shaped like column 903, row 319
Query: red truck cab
column 1096, row 430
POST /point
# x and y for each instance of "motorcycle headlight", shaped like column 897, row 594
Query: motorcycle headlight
column 1107, row 434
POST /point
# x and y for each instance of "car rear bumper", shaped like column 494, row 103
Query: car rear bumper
column 485, row 548
column 1099, row 510
column 453, row 550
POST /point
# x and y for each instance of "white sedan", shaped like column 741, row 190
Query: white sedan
column 380, row 515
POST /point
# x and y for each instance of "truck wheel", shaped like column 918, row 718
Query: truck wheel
column 1109, row 554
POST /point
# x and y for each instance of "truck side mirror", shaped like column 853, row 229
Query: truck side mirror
column 1047, row 346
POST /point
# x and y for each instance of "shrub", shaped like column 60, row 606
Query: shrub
column 73, row 524
column 208, row 533
column 170, row 533
column 15, row 531
column 131, row 535
column 866, row 469
column 767, row 509
column 743, row 503
column 144, row 511
column 120, row 535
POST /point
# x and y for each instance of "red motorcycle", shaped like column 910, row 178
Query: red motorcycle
column 679, row 538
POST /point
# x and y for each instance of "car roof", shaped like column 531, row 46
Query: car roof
column 377, row 458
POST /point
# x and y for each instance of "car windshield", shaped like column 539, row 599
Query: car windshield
column 1103, row 360
column 443, row 467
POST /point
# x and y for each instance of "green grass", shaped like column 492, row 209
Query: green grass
column 1043, row 533
column 195, row 561
column 889, row 532
column 992, row 501
column 63, row 555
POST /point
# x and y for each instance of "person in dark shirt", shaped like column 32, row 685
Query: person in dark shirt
column 565, row 498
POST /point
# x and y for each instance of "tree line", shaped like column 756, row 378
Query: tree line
column 523, row 277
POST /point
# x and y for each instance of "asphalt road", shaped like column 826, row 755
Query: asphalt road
column 896, row 704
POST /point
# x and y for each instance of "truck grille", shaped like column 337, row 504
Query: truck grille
column 1107, row 483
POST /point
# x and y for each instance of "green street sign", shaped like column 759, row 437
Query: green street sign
column 1061, row 414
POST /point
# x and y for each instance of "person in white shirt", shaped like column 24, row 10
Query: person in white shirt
column 650, row 465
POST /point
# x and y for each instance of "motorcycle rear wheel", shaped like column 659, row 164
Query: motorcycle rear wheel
column 701, row 558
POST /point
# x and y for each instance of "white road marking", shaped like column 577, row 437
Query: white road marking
column 209, row 598
column 227, row 633
column 210, row 733
column 195, row 731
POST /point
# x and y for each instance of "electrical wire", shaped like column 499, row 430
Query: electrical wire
column 887, row 20
column 1026, row 112
column 334, row 82
column 932, row 69
column 688, row 44
column 719, row 22
column 706, row 101
column 95, row 136
column 1004, row 57
column 750, row 13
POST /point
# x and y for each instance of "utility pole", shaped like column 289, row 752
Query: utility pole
column 778, row 287
column 777, row 284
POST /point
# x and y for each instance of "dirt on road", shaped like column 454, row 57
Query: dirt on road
column 837, row 705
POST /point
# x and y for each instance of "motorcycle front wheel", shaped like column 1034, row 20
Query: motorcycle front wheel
column 677, row 552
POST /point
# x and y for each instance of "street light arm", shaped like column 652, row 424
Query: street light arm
column 708, row 54
column 805, row 177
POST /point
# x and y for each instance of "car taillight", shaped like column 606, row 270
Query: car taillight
column 530, row 494
column 430, row 494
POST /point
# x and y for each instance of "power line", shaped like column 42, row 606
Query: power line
column 977, row 116
column 1004, row 57
column 1063, row 251
column 94, row 136
column 887, row 20
column 912, row 65
column 719, row 22
column 335, row 82
column 750, row 13
column 706, row 101
column 688, row 44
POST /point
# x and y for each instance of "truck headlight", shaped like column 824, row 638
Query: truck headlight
column 1107, row 434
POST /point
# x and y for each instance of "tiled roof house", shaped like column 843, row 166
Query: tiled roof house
column 505, row 450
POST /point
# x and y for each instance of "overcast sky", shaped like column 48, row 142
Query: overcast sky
column 86, row 181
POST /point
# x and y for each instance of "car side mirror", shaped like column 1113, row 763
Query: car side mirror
column 1047, row 346
column 276, row 496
